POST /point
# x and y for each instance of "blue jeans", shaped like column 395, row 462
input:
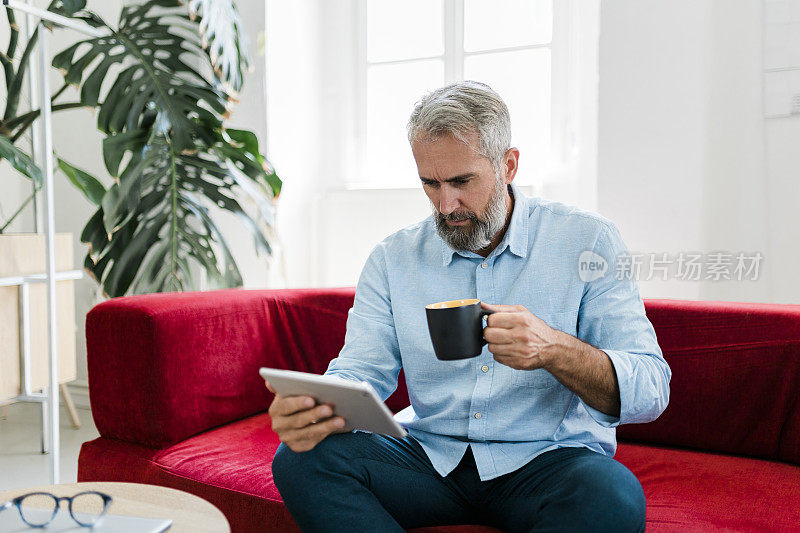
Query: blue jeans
column 369, row 482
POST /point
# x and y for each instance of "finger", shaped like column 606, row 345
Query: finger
column 310, row 417
column 510, row 350
column 508, row 360
column 505, row 319
column 314, row 433
column 502, row 308
column 495, row 335
column 502, row 350
column 269, row 387
column 292, row 404
column 323, row 428
column 519, row 362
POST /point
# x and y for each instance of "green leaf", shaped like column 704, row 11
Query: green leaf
column 247, row 140
column 92, row 189
column 116, row 146
column 142, row 61
column 68, row 8
column 120, row 201
column 94, row 234
column 241, row 148
column 174, row 165
column 126, row 266
column 20, row 160
column 157, row 224
column 223, row 38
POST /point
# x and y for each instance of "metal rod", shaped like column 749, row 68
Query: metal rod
column 39, row 278
column 45, row 426
column 36, row 397
column 49, row 223
column 25, row 338
column 55, row 19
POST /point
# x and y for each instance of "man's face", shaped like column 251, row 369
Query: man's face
column 469, row 199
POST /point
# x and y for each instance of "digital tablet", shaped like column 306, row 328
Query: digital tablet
column 355, row 401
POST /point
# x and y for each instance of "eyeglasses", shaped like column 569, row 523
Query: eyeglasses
column 37, row 509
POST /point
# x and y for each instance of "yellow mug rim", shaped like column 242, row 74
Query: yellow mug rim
column 450, row 304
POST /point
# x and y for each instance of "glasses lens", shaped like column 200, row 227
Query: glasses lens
column 87, row 508
column 37, row 509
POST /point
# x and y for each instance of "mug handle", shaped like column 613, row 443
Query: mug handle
column 485, row 313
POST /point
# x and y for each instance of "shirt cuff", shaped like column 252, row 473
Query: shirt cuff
column 622, row 367
column 607, row 421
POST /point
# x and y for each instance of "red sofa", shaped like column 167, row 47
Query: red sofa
column 178, row 402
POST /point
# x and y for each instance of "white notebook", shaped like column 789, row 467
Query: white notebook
column 10, row 522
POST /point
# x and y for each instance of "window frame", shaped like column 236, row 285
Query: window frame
column 564, row 94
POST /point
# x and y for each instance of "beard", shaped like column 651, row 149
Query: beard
column 478, row 233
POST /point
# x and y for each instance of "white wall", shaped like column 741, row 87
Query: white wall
column 293, row 109
column 686, row 160
column 652, row 123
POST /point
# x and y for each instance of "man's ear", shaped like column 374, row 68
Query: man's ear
column 511, row 164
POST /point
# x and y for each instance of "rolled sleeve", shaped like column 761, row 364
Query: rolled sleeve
column 371, row 352
column 612, row 318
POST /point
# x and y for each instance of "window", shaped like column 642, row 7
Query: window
column 518, row 47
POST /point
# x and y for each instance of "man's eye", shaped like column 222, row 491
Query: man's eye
column 459, row 182
column 430, row 183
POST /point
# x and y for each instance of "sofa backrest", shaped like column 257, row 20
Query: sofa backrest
column 163, row 367
column 735, row 378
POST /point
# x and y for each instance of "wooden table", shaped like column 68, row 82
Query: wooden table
column 188, row 512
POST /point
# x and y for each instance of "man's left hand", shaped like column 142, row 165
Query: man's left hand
column 518, row 338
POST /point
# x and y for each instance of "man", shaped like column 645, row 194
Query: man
column 523, row 436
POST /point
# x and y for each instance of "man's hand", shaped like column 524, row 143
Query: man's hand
column 521, row 340
column 518, row 338
column 299, row 424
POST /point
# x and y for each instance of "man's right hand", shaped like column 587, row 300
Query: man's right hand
column 299, row 423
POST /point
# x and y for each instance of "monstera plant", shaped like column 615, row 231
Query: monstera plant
column 162, row 81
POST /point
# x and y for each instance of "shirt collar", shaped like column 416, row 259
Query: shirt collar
column 515, row 239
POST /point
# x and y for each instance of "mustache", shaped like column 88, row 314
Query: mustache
column 456, row 216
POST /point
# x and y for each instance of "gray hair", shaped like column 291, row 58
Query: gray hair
column 461, row 109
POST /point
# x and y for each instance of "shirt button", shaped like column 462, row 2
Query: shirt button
column 484, row 265
column 484, row 368
column 477, row 415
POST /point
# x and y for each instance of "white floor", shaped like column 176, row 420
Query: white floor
column 21, row 462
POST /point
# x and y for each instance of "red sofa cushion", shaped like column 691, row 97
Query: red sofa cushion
column 230, row 467
column 687, row 490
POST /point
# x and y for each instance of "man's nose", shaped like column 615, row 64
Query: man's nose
column 448, row 201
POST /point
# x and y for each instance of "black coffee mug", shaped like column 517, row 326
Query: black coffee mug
column 456, row 328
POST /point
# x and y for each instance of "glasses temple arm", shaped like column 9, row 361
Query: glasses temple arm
column 5, row 505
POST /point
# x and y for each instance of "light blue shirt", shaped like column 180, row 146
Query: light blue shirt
column 506, row 416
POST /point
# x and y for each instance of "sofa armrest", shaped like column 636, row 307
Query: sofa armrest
column 163, row 367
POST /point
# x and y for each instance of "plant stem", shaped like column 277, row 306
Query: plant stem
column 14, row 37
column 18, row 211
column 58, row 92
column 15, row 89
column 8, row 68
column 27, row 119
column 16, row 121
